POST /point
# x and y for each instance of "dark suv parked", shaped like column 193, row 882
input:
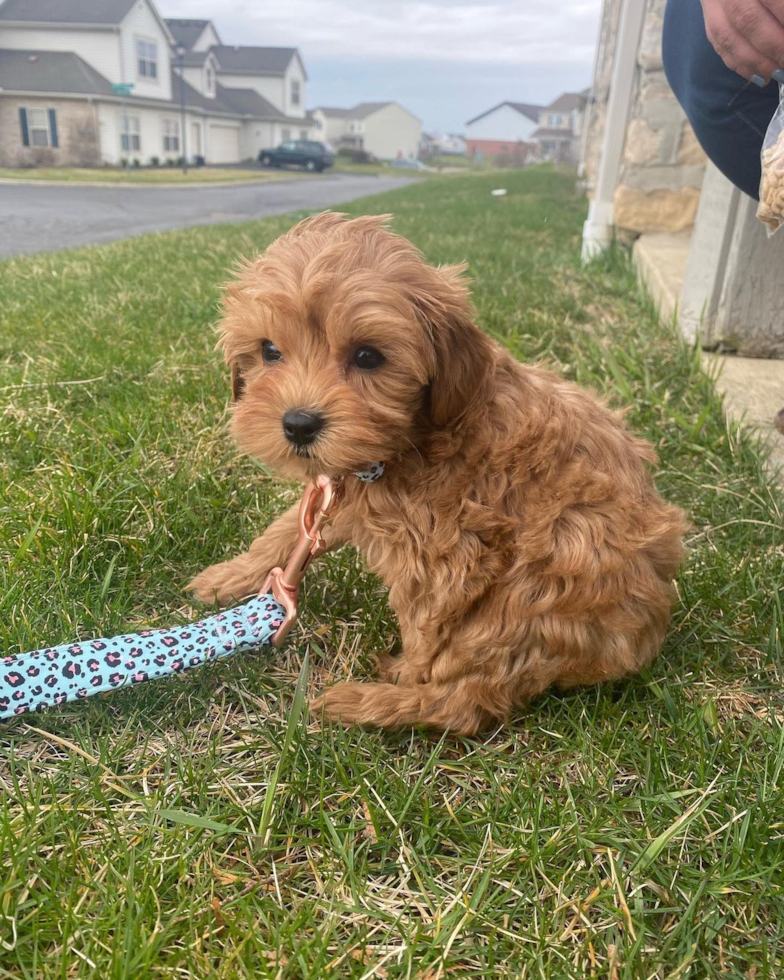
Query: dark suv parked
column 309, row 154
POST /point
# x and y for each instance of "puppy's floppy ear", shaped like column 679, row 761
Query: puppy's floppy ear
column 462, row 354
column 237, row 382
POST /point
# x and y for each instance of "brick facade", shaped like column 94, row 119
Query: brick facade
column 77, row 134
column 513, row 152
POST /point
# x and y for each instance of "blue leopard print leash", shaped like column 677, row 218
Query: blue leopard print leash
column 55, row 675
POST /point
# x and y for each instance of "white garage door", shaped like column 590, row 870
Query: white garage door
column 224, row 145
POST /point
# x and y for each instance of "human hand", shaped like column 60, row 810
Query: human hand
column 748, row 36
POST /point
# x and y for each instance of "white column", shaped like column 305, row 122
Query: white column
column 598, row 228
column 711, row 239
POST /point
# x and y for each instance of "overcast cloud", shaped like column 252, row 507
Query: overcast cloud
column 446, row 60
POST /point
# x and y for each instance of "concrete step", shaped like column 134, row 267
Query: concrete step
column 753, row 388
column 753, row 391
column 660, row 259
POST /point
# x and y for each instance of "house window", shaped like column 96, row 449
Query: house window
column 41, row 128
column 303, row 134
column 554, row 121
column 209, row 79
column 147, row 59
column 295, row 91
column 171, row 136
column 285, row 134
column 130, row 138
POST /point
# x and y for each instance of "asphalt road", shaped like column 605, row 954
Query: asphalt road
column 36, row 218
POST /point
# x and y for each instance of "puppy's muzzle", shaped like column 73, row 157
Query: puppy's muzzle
column 301, row 427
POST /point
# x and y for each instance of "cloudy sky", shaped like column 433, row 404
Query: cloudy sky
column 445, row 60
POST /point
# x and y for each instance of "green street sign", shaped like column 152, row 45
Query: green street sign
column 122, row 88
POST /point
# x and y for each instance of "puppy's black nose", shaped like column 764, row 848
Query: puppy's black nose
column 301, row 427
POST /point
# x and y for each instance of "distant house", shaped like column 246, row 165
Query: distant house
column 63, row 62
column 506, row 129
column 428, row 145
column 385, row 129
column 560, row 125
column 452, row 144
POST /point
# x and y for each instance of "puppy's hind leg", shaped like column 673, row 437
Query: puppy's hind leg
column 463, row 706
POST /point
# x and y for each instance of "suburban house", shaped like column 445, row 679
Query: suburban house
column 522, row 132
column 452, row 143
column 504, row 130
column 560, row 126
column 385, row 129
column 86, row 83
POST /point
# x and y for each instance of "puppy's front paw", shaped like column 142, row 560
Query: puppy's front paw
column 222, row 582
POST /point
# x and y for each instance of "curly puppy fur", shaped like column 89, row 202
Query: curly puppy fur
column 517, row 526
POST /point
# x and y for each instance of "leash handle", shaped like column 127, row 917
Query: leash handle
column 55, row 675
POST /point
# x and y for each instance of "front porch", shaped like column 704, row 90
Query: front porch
column 698, row 247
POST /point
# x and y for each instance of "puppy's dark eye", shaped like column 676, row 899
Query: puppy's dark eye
column 270, row 352
column 367, row 358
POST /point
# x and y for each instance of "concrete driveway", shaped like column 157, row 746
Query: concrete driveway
column 38, row 218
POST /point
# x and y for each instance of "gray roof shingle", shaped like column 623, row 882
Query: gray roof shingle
column 333, row 111
column 366, row 109
column 545, row 133
column 526, row 109
column 186, row 32
column 50, row 71
column 65, row 11
column 253, row 61
column 193, row 59
column 567, row 102
column 360, row 111
column 248, row 102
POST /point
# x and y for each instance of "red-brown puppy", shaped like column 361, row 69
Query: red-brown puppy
column 516, row 524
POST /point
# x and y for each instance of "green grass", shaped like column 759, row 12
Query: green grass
column 344, row 166
column 196, row 828
column 157, row 175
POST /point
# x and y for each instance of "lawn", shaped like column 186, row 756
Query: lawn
column 175, row 830
column 345, row 166
column 133, row 175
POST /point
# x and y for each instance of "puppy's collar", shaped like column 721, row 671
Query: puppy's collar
column 373, row 472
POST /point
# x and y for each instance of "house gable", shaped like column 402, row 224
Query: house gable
column 194, row 35
column 505, row 123
column 208, row 38
column 526, row 109
column 145, row 51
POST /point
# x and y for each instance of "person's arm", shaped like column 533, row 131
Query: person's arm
column 748, row 35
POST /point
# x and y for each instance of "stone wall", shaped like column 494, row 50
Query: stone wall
column 663, row 164
column 77, row 135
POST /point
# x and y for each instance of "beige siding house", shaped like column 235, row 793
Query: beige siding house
column 385, row 129
column 60, row 61
column 560, row 126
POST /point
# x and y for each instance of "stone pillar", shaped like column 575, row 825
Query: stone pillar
column 659, row 186
column 750, row 318
column 598, row 228
column 732, row 298
column 708, row 251
column 596, row 110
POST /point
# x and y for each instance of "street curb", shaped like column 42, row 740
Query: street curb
column 255, row 182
